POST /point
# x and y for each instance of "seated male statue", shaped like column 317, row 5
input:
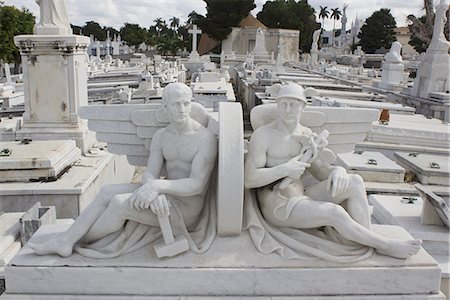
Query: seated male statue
column 124, row 218
column 283, row 207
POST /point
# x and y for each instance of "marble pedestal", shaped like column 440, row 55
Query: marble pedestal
column 432, row 72
column 55, row 86
column 391, row 74
column 232, row 267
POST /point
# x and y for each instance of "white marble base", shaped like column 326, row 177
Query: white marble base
column 392, row 73
column 73, row 191
column 231, row 267
column 40, row 131
column 91, row 297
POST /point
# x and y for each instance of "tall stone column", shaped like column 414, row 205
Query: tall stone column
column 55, row 86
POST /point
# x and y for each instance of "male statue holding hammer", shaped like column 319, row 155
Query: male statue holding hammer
column 187, row 151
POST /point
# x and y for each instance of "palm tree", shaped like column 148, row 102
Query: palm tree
column 174, row 23
column 324, row 13
column 160, row 24
column 335, row 15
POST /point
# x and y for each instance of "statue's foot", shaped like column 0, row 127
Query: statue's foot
column 401, row 249
column 53, row 246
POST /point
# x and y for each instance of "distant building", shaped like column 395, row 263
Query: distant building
column 242, row 40
column 404, row 36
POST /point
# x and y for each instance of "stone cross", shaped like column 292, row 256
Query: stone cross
column 194, row 31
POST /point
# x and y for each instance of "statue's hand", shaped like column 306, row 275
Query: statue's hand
column 161, row 206
column 295, row 168
column 338, row 181
column 143, row 197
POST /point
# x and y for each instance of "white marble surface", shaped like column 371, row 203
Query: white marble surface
column 231, row 267
column 230, row 194
column 395, row 210
column 37, row 154
column 414, row 130
column 9, row 229
column 392, row 107
column 25, row 175
column 93, row 297
column 73, row 191
column 385, row 169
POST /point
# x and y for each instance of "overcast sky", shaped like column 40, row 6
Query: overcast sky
column 116, row 12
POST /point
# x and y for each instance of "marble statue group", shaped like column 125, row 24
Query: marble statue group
column 328, row 219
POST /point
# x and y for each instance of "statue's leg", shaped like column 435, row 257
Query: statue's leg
column 114, row 216
column 314, row 214
column 354, row 198
column 63, row 243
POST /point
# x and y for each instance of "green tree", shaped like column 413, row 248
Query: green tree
column 289, row 14
column 193, row 17
column 378, row 31
column 324, row 13
column 133, row 34
column 169, row 45
column 222, row 15
column 13, row 22
column 93, row 28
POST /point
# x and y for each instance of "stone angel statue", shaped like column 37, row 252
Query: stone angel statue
column 180, row 198
column 53, row 18
column 298, row 204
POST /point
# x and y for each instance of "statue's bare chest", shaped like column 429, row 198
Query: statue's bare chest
column 180, row 148
column 281, row 149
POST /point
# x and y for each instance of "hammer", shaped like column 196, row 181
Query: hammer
column 171, row 245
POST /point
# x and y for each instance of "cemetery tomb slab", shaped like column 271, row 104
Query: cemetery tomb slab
column 372, row 166
column 35, row 155
column 429, row 169
column 37, row 160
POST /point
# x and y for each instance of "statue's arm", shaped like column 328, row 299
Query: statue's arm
column 256, row 173
column 202, row 165
column 155, row 160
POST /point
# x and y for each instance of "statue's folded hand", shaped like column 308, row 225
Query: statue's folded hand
column 143, row 197
column 161, row 206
